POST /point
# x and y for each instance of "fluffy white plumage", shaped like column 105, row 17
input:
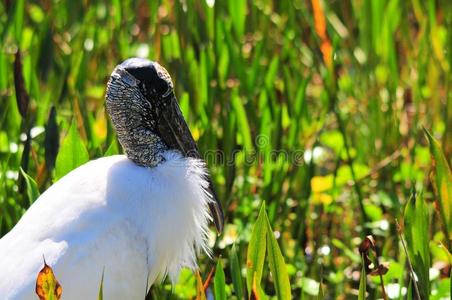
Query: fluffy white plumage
column 133, row 223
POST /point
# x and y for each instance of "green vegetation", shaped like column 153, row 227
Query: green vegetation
column 315, row 108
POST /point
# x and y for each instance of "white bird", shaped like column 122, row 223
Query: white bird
column 134, row 218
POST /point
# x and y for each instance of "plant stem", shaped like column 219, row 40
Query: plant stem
column 356, row 184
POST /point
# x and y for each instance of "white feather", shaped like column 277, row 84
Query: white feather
column 135, row 224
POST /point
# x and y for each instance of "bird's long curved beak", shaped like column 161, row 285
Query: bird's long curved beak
column 176, row 134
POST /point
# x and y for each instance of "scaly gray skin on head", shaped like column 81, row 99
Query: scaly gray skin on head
column 130, row 114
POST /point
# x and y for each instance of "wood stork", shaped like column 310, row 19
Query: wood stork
column 134, row 218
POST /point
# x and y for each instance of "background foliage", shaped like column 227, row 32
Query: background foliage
column 315, row 107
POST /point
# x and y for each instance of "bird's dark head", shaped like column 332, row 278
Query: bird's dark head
column 153, row 80
column 142, row 86
column 146, row 115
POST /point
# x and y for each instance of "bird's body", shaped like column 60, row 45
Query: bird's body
column 109, row 216
column 134, row 217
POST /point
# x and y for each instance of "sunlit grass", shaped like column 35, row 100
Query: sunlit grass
column 315, row 107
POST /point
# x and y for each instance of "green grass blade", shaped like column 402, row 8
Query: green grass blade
column 32, row 187
column 236, row 273
column 242, row 120
column 219, row 282
column 277, row 265
column 443, row 183
column 416, row 220
column 237, row 11
column 256, row 251
column 19, row 20
column 117, row 12
column 113, row 149
column 100, row 295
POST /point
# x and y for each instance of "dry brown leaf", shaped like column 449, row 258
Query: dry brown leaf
column 367, row 244
column 47, row 286
column 374, row 269
column 382, row 269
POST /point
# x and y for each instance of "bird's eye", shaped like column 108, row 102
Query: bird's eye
column 161, row 86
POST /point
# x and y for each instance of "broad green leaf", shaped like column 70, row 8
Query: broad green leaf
column 72, row 153
column 362, row 282
column 219, row 282
column 32, row 187
column 256, row 251
column 236, row 273
column 416, row 229
column 277, row 265
column 443, row 183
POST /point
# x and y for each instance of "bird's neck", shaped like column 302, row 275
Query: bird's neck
column 134, row 129
column 142, row 146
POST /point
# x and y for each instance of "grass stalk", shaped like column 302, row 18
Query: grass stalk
column 412, row 274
